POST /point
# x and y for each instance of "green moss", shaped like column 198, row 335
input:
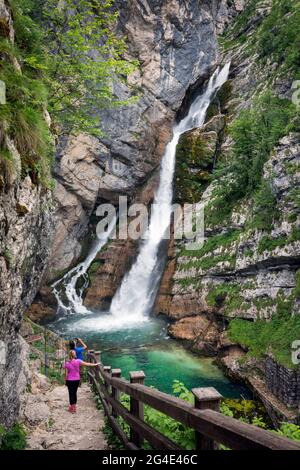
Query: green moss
column 93, row 269
column 8, row 257
column 269, row 244
column 186, row 282
column 226, row 296
column 223, row 240
column 296, row 290
column 248, row 253
column 295, row 235
column 193, row 167
column 8, row 168
column 265, row 211
column 14, row 439
column 209, row 262
column 276, row 335
column 294, row 198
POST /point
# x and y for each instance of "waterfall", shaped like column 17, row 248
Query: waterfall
column 134, row 299
column 69, row 298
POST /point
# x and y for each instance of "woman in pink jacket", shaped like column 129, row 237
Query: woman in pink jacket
column 72, row 377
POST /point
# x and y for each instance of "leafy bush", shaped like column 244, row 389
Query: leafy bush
column 255, row 133
column 15, row 439
column 279, row 36
column 70, row 60
column 222, row 240
column 261, row 336
column 290, row 430
column 265, row 210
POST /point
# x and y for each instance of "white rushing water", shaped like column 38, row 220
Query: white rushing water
column 68, row 295
column 136, row 295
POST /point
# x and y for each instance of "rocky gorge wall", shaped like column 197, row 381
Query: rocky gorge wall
column 246, row 269
column 25, row 235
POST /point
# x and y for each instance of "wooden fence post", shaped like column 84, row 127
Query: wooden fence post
column 206, row 398
column 107, row 369
column 136, row 407
column 114, row 391
column 98, row 359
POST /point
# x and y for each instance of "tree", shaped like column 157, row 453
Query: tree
column 83, row 58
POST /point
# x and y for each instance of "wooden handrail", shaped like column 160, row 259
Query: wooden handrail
column 211, row 424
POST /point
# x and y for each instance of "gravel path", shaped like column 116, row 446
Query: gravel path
column 51, row 426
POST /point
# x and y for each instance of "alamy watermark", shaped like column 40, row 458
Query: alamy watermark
column 2, row 353
column 296, row 93
column 138, row 221
column 2, row 92
column 296, row 352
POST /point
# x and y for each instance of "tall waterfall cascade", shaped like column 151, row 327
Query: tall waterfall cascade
column 135, row 297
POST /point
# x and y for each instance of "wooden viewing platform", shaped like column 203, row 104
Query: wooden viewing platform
column 211, row 427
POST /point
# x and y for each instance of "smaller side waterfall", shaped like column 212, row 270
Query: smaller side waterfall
column 69, row 298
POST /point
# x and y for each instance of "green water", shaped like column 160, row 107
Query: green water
column 147, row 347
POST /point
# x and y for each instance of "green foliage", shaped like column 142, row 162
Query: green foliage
column 276, row 335
column 265, row 210
column 279, row 35
column 14, row 439
column 70, row 60
column 223, row 240
column 255, row 133
column 209, row 262
column 22, row 117
column 269, row 244
column 226, row 296
column 193, row 167
column 296, row 290
column 248, row 411
column 290, row 430
column 86, row 58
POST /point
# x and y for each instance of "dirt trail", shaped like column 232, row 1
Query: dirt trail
column 50, row 425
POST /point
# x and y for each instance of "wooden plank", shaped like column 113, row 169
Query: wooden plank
column 154, row 437
column 31, row 339
column 115, row 393
column 113, row 422
column 206, row 398
column 136, row 407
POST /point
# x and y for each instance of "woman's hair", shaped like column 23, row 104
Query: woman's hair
column 72, row 344
column 72, row 354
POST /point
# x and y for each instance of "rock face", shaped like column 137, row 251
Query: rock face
column 24, row 248
column 78, row 179
column 25, row 234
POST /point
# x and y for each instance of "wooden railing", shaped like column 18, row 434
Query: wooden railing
column 210, row 426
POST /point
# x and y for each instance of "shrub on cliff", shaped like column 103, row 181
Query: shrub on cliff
column 69, row 60
column 14, row 439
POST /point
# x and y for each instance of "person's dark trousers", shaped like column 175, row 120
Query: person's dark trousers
column 72, row 387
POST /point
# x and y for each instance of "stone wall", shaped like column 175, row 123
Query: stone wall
column 282, row 382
